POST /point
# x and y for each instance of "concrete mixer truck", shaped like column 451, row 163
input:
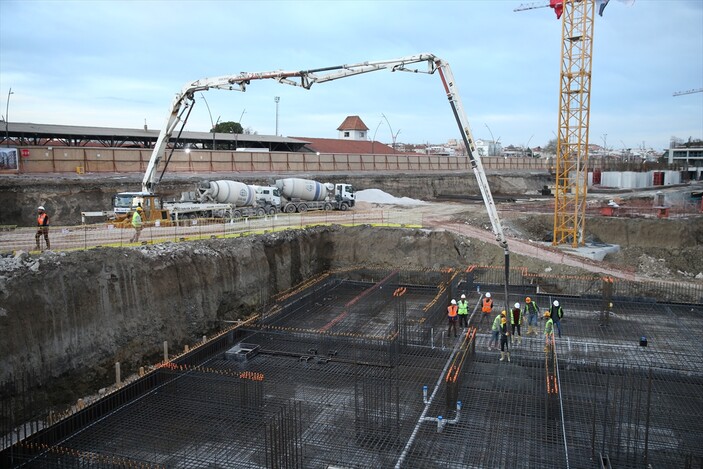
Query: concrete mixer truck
column 302, row 195
column 246, row 200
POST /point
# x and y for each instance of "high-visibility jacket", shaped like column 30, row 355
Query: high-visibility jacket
column 549, row 327
column 556, row 313
column 515, row 317
column 487, row 305
column 136, row 220
column 531, row 308
column 463, row 307
column 452, row 310
column 43, row 219
column 496, row 322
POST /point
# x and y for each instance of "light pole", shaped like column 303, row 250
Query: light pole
column 373, row 140
column 493, row 141
column 212, row 124
column 527, row 147
column 391, row 129
column 236, row 136
column 7, row 119
column 277, row 99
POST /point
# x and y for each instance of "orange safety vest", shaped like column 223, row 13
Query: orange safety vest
column 487, row 305
column 42, row 219
column 452, row 310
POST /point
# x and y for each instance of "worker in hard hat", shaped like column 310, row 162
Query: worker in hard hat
column 531, row 310
column 556, row 313
column 504, row 333
column 137, row 224
column 486, row 307
column 452, row 311
column 515, row 322
column 42, row 227
column 495, row 330
column 548, row 331
column 463, row 312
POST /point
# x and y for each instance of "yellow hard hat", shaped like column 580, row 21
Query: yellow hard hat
column 528, row 299
column 546, row 314
column 139, row 209
column 502, row 313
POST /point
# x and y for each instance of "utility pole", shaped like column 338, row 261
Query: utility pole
column 7, row 119
column 277, row 99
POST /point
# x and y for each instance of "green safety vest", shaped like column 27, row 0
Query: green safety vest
column 463, row 307
column 136, row 220
column 549, row 326
column 496, row 323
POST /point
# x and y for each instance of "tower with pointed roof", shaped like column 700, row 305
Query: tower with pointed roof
column 353, row 128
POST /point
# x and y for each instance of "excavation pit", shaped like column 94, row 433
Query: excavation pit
column 338, row 374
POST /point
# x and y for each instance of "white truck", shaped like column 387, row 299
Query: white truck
column 302, row 195
column 246, row 200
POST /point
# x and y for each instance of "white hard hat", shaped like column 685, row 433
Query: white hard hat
column 517, row 305
column 488, row 295
column 41, row 207
column 463, row 296
column 453, row 302
column 556, row 303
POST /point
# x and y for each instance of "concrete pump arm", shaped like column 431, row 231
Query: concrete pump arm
column 185, row 99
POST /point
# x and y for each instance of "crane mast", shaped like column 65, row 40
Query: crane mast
column 184, row 100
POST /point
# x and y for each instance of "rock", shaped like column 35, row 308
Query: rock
column 699, row 276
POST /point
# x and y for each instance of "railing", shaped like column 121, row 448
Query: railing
column 107, row 234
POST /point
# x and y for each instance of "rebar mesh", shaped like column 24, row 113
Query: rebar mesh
column 335, row 373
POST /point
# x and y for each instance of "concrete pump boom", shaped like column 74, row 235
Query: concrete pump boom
column 185, row 99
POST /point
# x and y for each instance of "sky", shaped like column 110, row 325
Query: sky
column 120, row 63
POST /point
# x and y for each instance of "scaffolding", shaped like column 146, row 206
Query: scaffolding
column 354, row 369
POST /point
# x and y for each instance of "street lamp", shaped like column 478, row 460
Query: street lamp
column 212, row 124
column 7, row 118
column 373, row 140
column 277, row 99
column 393, row 136
column 493, row 141
column 527, row 147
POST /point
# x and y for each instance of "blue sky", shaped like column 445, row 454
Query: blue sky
column 117, row 64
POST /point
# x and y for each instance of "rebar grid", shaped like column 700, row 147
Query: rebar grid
column 347, row 392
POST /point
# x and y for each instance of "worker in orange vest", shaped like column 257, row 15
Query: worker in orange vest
column 42, row 227
column 452, row 311
column 486, row 308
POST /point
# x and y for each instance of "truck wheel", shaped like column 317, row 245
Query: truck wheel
column 327, row 207
column 290, row 208
column 271, row 211
column 302, row 208
column 260, row 212
column 237, row 215
column 344, row 207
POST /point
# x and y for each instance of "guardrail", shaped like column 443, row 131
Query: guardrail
column 86, row 236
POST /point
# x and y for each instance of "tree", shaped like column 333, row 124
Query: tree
column 551, row 147
column 228, row 127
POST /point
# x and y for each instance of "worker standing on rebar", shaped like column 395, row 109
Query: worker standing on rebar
column 42, row 227
column 486, row 307
column 136, row 224
column 495, row 330
column 463, row 312
column 548, row 331
column 556, row 313
column 504, row 333
column 452, row 310
column 531, row 310
column 515, row 322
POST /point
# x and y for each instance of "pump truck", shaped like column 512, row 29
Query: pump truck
column 184, row 101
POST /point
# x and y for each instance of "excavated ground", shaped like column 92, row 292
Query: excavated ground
column 69, row 316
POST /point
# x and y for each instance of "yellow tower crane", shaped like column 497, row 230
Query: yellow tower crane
column 574, row 112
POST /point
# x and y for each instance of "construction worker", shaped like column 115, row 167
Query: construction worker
column 486, row 307
column 452, row 310
column 504, row 333
column 495, row 329
column 556, row 313
column 137, row 224
column 515, row 322
column 531, row 310
column 548, row 331
column 42, row 227
column 463, row 312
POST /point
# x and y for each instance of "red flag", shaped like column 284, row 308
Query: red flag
column 558, row 6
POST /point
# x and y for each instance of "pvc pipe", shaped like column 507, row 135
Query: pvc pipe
column 424, row 394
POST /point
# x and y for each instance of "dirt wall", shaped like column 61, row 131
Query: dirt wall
column 73, row 315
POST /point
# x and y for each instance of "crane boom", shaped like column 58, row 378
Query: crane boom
column 184, row 100
column 695, row 90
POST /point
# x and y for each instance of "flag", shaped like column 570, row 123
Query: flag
column 601, row 6
column 558, row 7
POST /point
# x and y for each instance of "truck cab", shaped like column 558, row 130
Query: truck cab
column 124, row 204
column 344, row 196
column 268, row 197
